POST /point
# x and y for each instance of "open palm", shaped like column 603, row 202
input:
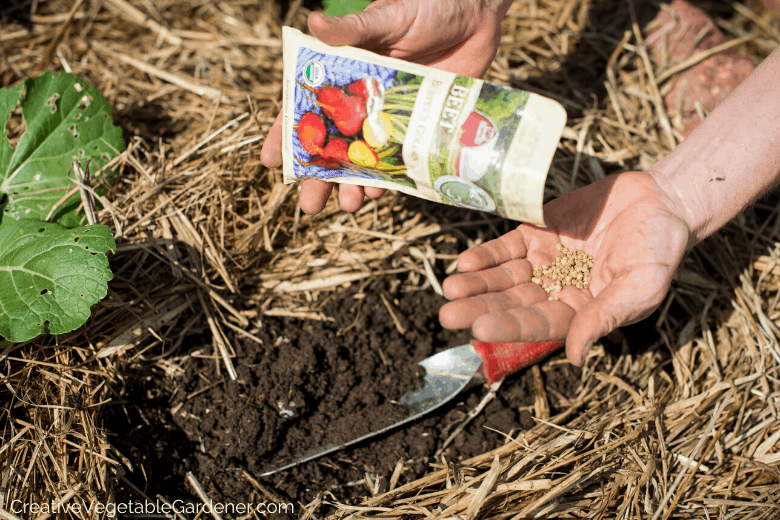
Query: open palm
column 625, row 222
column 460, row 37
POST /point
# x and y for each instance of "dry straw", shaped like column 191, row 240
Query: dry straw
column 210, row 242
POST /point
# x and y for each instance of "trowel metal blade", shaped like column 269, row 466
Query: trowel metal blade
column 446, row 375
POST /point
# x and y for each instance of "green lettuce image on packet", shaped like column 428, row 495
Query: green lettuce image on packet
column 53, row 267
column 352, row 116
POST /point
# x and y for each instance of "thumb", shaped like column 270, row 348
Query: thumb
column 630, row 298
column 379, row 24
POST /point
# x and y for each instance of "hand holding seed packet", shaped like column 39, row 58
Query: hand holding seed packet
column 457, row 37
column 351, row 116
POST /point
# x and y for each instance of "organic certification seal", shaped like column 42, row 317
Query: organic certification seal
column 314, row 73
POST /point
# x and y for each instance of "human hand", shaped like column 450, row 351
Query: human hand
column 626, row 222
column 460, row 37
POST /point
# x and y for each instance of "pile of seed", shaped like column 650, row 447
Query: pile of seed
column 571, row 268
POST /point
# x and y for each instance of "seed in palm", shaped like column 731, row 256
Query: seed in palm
column 571, row 268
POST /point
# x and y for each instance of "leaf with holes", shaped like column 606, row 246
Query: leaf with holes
column 65, row 119
column 50, row 276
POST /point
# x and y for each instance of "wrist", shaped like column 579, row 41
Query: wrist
column 691, row 210
column 730, row 159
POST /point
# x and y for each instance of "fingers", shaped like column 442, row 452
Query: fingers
column 382, row 23
column 271, row 153
column 314, row 195
column 314, row 192
column 471, row 57
column 374, row 193
column 544, row 321
column 493, row 253
column 632, row 296
column 461, row 314
column 501, row 278
column 351, row 197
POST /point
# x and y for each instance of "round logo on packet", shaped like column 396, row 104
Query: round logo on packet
column 314, row 73
column 464, row 193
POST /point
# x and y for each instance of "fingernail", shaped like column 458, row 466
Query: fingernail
column 585, row 352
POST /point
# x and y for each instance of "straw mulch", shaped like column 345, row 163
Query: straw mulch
column 210, row 242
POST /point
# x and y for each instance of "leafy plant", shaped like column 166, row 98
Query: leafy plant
column 53, row 267
column 343, row 7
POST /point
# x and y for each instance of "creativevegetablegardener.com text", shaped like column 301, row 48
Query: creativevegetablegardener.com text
column 149, row 508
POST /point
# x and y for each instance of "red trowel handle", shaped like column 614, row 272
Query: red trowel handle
column 501, row 359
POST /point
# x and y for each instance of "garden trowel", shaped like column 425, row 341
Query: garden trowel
column 446, row 375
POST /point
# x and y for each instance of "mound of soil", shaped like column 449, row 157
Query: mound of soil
column 311, row 383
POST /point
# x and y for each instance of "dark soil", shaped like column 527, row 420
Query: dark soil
column 311, row 383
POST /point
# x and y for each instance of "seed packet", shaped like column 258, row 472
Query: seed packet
column 353, row 116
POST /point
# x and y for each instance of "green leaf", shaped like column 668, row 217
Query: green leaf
column 65, row 120
column 50, row 276
column 9, row 100
column 343, row 7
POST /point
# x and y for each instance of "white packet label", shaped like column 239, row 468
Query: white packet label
column 352, row 116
